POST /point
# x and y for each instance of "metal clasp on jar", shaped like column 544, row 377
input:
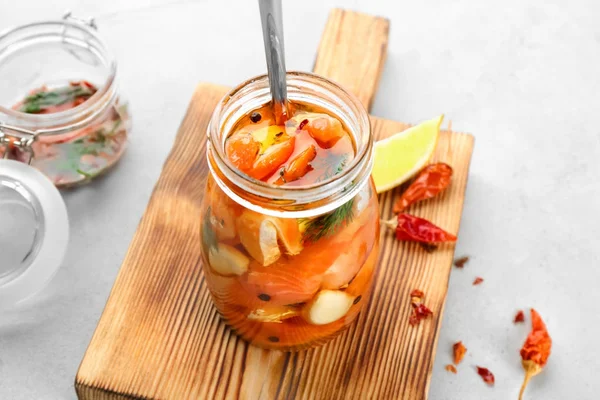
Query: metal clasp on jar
column 91, row 22
column 87, row 36
column 13, row 136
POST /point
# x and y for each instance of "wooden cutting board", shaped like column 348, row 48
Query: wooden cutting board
column 159, row 336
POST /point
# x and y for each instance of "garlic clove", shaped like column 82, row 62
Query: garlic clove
column 328, row 306
column 227, row 260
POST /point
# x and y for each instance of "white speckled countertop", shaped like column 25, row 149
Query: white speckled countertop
column 521, row 75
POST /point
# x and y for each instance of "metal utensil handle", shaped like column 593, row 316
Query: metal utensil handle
column 272, row 27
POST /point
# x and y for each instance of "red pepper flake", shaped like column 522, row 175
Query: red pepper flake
column 413, row 320
column 486, row 375
column 451, row 368
column 432, row 180
column 302, row 124
column 477, row 281
column 415, row 229
column 460, row 262
column 420, row 312
column 459, row 350
column 519, row 317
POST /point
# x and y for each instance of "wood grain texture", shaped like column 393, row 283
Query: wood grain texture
column 160, row 338
column 352, row 52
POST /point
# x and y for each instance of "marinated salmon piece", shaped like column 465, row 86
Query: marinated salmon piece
column 363, row 279
column 283, row 283
column 361, row 235
column 298, row 167
column 360, row 287
column 230, row 294
column 291, row 334
column 237, row 319
column 269, row 161
column 260, row 234
column 294, row 333
column 228, row 291
column 242, row 150
column 293, row 279
column 325, row 130
column 345, row 267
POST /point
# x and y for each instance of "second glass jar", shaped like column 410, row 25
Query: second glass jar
column 60, row 107
column 276, row 283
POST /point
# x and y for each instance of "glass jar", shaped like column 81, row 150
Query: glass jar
column 275, row 287
column 65, row 58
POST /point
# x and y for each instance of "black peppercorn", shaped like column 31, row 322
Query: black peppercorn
column 273, row 339
column 264, row 297
column 255, row 117
column 356, row 300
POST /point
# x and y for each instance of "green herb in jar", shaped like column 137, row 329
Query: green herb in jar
column 329, row 224
column 48, row 101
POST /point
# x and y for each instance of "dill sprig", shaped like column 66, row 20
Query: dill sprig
column 331, row 166
column 38, row 102
column 330, row 223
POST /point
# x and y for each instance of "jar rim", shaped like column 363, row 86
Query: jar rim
column 65, row 116
column 293, row 200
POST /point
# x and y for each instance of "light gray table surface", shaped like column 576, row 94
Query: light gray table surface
column 521, row 75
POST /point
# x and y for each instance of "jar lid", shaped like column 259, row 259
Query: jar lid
column 34, row 231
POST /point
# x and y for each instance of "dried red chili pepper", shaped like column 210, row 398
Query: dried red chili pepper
column 459, row 350
column 415, row 229
column 519, row 317
column 460, row 262
column 486, row 375
column 477, row 280
column 432, row 180
column 417, row 293
column 451, row 368
column 535, row 350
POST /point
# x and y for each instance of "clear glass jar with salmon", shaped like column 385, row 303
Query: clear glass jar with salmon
column 290, row 222
column 60, row 106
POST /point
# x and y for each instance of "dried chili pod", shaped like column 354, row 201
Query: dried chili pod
column 415, row 229
column 432, row 180
column 535, row 350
